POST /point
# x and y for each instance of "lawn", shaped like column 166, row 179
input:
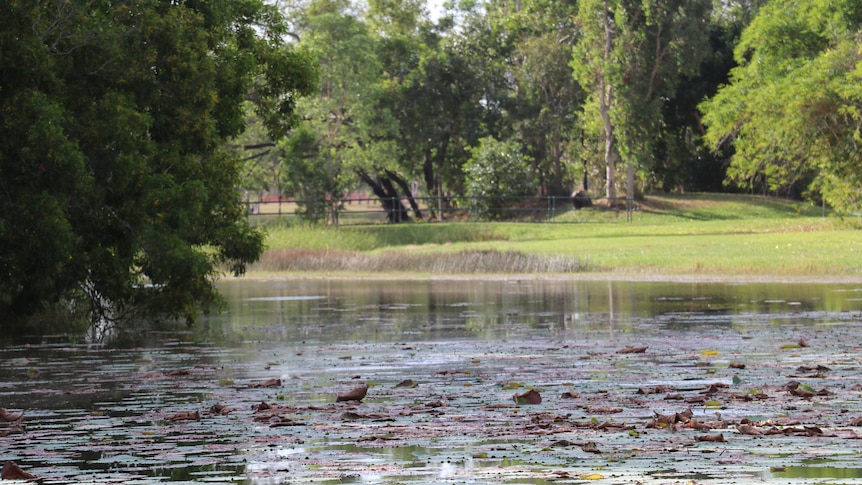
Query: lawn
column 700, row 234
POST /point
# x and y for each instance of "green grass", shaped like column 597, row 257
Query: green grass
column 701, row 234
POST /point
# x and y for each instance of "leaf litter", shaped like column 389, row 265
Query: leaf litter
column 707, row 404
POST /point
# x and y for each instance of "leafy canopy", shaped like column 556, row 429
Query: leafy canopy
column 793, row 108
column 115, row 183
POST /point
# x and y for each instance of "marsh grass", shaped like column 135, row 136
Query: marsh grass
column 460, row 262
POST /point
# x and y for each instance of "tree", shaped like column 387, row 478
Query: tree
column 340, row 123
column 116, row 186
column 450, row 96
column 545, row 97
column 793, row 108
column 630, row 56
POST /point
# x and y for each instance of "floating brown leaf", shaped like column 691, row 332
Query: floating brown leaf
column 268, row 383
column 407, row 383
column 590, row 447
column 749, row 430
column 655, row 390
column 714, row 438
column 281, row 421
column 7, row 416
column 184, row 416
column 604, row 410
column 806, row 368
column 609, row 426
column 11, row 471
column 263, row 406
column 694, row 424
column 177, row 373
column 736, row 365
column 220, row 409
column 633, row 350
column 800, row 392
column 355, row 394
column 530, row 397
column 570, row 395
column 714, row 388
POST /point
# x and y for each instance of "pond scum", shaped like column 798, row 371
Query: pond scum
column 768, row 401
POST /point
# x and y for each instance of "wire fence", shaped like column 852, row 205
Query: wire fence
column 373, row 210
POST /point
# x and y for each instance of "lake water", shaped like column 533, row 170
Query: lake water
column 101, row 414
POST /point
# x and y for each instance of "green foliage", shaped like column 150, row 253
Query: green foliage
column 792, row 109
column 630, row 57
column 114, row 178
column 496, row 172
column 693, row 234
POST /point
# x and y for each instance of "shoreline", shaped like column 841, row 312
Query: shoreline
column 587, row 276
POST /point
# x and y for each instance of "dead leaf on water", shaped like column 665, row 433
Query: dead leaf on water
column 274, row 382
column 11, row 471
column 355, row 394
column 604, row 410
column 633, row 349
column 9, row 417
column 590, row 447
column 220, row 409
column 407, row 383
column 530, row 397
column 184, row 416
column 749, row 430
column 570, row 395
column 713, row 438
column 661, row 389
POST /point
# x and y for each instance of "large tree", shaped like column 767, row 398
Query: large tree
column 116, row 186
column 793, row 108
column 630, row 57
column 545, row 96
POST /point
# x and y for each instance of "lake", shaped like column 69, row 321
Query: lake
column 442, row 360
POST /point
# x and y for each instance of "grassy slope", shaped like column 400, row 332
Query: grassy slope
column 702, row 234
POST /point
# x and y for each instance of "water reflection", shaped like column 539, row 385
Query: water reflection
column 393, row 310
column 100, row 412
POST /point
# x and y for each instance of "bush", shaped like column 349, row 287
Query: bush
column 496, row 172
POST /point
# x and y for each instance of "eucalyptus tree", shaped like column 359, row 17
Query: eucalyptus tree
column 630, row 56
column 340, row 121
column 793, row 107
column 545, row 95
column 116, row 186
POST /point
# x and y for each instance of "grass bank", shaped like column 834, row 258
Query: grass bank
column 708, row 235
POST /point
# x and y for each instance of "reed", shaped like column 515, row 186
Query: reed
column 459, row 262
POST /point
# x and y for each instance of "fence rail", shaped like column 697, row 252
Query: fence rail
column 372, row 210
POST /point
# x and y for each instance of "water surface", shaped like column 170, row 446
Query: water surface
column 101, row 413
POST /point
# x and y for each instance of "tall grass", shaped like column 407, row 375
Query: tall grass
column 467, row 261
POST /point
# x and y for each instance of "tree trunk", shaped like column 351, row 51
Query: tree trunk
column 406, row 189
column 385, row 191
column 605, row 103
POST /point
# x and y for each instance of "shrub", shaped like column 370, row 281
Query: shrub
column 497, row 173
